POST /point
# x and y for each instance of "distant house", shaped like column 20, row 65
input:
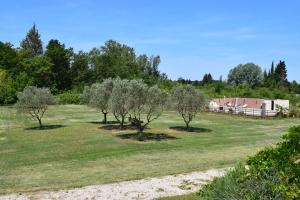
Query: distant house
column 249, row 106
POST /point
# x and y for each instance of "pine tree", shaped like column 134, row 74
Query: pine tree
column 32, row 42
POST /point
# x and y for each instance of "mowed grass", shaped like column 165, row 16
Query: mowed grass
column 76, row 151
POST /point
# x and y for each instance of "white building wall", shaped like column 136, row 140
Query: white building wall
column 283, row 103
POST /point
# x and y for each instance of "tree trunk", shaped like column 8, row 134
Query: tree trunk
column 105, row 118
column 122, row 123
column 187, row 125
column 141, row 133
column 40, row 123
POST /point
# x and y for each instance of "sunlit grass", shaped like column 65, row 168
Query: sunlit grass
column 76, row 152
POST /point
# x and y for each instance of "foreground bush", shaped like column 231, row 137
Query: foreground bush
column 273, row 173
column 69, row 97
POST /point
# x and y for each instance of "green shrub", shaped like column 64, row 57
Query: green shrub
column 69, row 97
column 272, row 173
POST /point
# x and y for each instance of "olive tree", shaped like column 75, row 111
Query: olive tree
column 188, row 102
column 119, row 101
column 146, row 104
column 34, row 101
column 99, row 96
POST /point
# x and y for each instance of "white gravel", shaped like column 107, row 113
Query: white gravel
column 145, row 189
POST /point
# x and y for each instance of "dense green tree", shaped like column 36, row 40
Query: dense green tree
column 39, row 69
column 32, row 42
column 117, row 60
column 7, row 91
column 248, row 73
column 207, row 79
column 35, row 102
column 8, row 57
column 60, row 57
column 80, row 71
column 280, row 74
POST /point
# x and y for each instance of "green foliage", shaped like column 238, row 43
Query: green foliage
column 146, row 104
column 7, row 92
column 295, row 110
column 33, row 42
column 273, row 173
column 280, row 74
column 35, row 102
column 207, row 79
column 80, row 71
column 61, row 69
column 69, row 97
column 60, row 57
column 187, row 101
column 248, row 73
column 39, row 69
column 8, row 57
column 119, row 100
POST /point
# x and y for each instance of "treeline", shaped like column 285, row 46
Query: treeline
column 61, row 69
column 249, row 80
column 66, row 72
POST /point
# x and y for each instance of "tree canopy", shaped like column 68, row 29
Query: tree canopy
column 35, row 101
column 248, row 73
column 187, row 101
column 32, row 42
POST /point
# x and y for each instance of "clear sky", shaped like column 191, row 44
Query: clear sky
column 192, row 37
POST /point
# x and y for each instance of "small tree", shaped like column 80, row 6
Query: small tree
column 119, row 101
column 99, row 96
column 146, row 104
column 188, row 102
column 35, row 101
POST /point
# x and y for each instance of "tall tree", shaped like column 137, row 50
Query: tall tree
column 60, row 57
column 118, row 60
column 280, row 74
column 32, row 42
column 248, row 73
column 80, row 71
column 8, row 57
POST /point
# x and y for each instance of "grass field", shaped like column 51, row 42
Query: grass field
column 76, row 150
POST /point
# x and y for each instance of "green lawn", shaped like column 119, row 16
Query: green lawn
column 78, row 152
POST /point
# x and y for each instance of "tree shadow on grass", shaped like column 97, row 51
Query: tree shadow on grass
column 191, row 129
column 117, row 127
column 147, row 136
column 100, row 122
column 46, row 127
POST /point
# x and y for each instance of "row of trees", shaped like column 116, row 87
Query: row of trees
column 251, row 75
column 140, row 103
column 248, row 80
column 123, row 98
column 60, row 68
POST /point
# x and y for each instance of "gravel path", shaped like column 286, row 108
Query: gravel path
column 144, row 189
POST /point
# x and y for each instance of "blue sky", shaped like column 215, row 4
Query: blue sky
column 192, row 37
